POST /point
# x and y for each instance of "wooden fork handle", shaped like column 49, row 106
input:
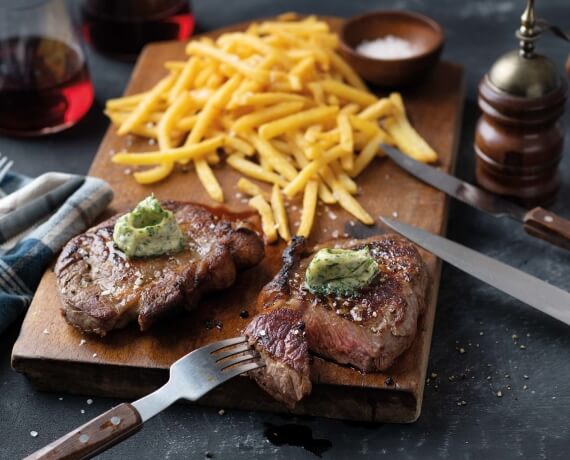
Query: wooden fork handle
column 95, row 436
column 548, row 226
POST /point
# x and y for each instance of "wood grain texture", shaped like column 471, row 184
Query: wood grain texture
column 129, row 364
column 94, row 436
column 548, row 226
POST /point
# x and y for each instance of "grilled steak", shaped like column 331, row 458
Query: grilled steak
column 368, row 329
column 102, row 290
column 279, row 338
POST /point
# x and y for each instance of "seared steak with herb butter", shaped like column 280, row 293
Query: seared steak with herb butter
column 369, row 324
column 103, row 289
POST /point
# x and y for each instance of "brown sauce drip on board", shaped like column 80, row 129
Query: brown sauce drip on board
column 296, row 435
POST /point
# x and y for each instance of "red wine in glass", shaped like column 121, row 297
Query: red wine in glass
column 123, row 28
column 44, row 86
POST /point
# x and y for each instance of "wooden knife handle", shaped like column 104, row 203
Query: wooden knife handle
column 548, row 226
column 94, row 437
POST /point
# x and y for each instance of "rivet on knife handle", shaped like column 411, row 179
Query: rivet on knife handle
column 548, row 226
column 94, row 436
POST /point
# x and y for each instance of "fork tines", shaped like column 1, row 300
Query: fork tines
column 238, row 350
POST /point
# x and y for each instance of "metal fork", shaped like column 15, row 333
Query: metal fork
column 191, row 377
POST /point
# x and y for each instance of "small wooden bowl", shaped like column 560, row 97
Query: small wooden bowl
column 422, row 32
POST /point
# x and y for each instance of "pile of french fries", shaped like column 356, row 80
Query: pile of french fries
column 285, row 109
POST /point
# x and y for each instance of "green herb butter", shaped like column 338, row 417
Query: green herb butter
column 340, row 271
column 148, row 230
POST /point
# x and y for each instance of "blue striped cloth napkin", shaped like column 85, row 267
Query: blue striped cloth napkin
column 37, row 217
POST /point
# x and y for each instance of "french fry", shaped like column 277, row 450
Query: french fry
column 349, row 185
column 211, row 109
column 381, row 108
column 208, row 180
column 345, row 132
column 117, row 118
column 307, row 173
column 168, row 121
column 309, row 208
column 155, row 174
column 345, row 199
column 184, row 80
column 325, row 195
column 281, row 145
column 253, row 170
column 270, row 98
column 346, row 71
column 347, row 92
column 204, row 49
column 405, row 136
column 264, row 115
column 145, row 106
column 256, row 44
column 351, row 109
column 312, row 133
column 185, row 152
column 300, row 28
column 267, row 221
column 296, row 121
column 367, row 154
column 304, row 68
column 279, row 213
column 360, row 124
column 238, row 144
column 249, row 188
column 278, row 162
column 125, row 101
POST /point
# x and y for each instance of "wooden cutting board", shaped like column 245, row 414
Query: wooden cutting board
column 128, row 364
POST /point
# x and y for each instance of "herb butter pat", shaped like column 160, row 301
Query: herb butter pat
column 148, row 230
column 340, row 271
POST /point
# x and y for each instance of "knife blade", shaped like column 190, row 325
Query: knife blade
column 528, row 289
column 537, row 222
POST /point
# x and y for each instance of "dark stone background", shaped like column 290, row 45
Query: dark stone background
column 529, row 423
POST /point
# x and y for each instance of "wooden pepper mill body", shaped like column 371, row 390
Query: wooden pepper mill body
column 519, row 143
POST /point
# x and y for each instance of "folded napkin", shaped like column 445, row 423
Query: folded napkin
column 37, row 217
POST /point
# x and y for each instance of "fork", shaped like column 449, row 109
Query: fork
column 191, row 377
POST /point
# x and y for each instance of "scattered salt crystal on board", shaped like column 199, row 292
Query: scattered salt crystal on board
column 33, row 434
column 388, row 47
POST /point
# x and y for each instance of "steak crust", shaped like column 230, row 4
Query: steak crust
column 368, row 329
column 101, row 289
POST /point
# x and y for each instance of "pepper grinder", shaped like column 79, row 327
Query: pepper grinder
column 519, row 139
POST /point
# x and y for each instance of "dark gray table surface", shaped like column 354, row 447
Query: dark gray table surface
column 508, row 346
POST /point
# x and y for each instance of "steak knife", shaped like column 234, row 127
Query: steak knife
column 537, row 222
column 528, row 289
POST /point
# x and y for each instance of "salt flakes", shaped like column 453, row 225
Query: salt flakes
column 33, row 434
column 388, row 47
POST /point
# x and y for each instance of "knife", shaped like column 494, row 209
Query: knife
column 528, row 289
column 537, row 222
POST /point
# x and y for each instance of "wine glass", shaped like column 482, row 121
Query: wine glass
column 123, row 28
column 44, row 81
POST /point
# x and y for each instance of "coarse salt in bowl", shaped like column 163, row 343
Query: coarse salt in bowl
column 388, row 47
column 391, row 48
